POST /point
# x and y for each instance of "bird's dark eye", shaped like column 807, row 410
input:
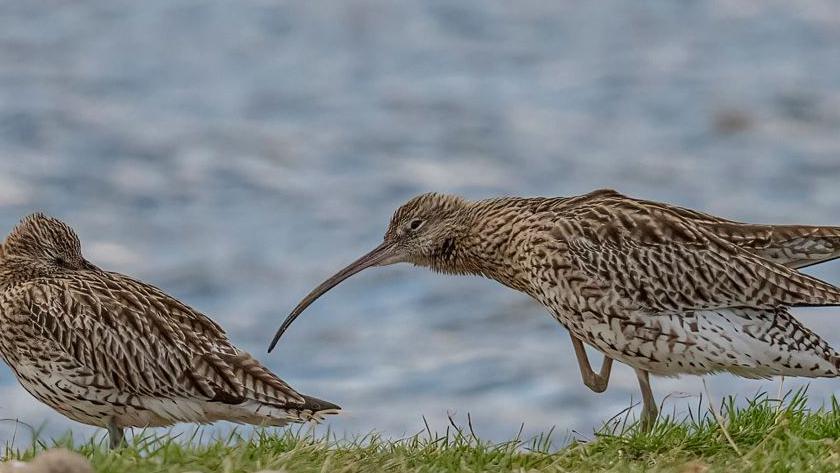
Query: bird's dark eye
column 415, row 224
column 59, row 261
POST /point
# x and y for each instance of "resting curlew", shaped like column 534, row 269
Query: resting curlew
column 661, row 288
column 108, row 350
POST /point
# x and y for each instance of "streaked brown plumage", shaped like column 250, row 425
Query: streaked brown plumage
column 664, row 289
column 108, row 350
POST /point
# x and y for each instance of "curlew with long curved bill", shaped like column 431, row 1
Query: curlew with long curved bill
column 663, row 289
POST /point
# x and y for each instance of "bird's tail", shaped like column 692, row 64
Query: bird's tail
column 263, row 413
column 314, row 409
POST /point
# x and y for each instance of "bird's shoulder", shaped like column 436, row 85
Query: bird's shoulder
column 145, row 297
column 607, row 217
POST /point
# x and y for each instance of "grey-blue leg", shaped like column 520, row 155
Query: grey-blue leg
column 594, row 381
column 115, row 435
column 649, row 409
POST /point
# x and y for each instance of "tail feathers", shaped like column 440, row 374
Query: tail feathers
column 260, row 413
column 318, row 408
column 249, row 393
column 314, row 404
column 259, row 383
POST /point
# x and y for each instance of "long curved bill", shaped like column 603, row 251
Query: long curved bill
column 381, row 255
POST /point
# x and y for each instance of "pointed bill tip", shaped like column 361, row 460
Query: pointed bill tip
column 274, row 340
column 384, row 253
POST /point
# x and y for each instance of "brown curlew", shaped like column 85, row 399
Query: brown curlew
column 108, row 350
column 664, row 289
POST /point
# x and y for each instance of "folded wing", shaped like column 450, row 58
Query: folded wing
column 651, row 258
column 130, row 337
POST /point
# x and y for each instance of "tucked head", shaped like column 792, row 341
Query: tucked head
column 45, row 242
column 423, row 231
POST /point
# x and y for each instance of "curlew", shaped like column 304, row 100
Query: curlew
column 107, row 350
column 663, row 289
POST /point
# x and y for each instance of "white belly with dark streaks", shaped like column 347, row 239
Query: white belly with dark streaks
column 75, row 398
column 54, row 389
column 746, row 342
column 79, row 399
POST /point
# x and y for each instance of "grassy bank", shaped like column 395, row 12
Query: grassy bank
column 764, row 436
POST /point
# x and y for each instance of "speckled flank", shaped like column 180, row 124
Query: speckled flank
column 108, row 350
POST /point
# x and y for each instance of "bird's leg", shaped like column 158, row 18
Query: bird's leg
column 115, row 435
column 594, row 381
column 649, row 410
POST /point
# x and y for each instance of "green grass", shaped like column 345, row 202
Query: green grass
column 765, row 435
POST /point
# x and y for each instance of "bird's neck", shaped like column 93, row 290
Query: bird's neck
column 488, row 241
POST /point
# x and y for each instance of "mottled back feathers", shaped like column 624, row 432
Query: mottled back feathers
column 114, row 334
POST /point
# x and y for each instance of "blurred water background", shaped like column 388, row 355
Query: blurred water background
column 237, row 153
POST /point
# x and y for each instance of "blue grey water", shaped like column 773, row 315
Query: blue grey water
column 236, row 153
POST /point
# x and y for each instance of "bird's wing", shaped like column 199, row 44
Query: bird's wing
column 653, row 259
column 132, row 337
column 795, row 246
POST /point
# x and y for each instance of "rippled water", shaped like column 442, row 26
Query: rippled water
column 236, row 153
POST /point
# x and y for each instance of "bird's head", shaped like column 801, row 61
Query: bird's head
column 424, row 231
column 46, row 244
